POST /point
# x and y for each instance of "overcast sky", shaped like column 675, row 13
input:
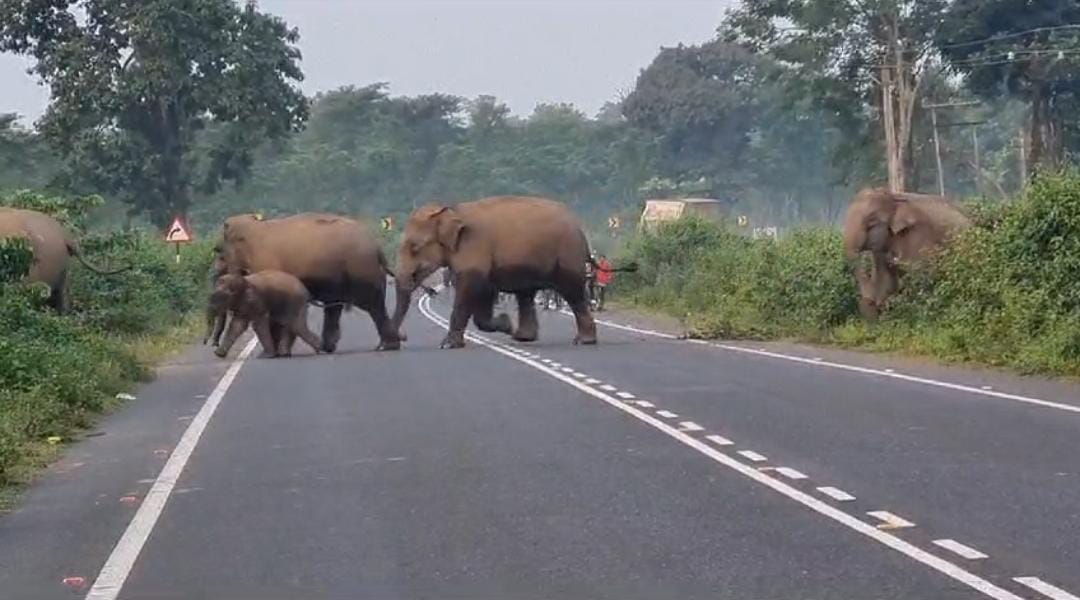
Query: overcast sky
column 522, row 51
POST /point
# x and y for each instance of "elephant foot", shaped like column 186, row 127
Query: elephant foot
column 525, row 336
column 329, row 347
column 585, row 340
column 503, row 324
column 453, row 341
column 388, row 345
column 267, row 354
column 220, row 353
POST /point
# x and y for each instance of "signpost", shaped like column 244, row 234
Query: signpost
column 178, row 233
column 387, row 223
column 613, row 222
column 743, row 221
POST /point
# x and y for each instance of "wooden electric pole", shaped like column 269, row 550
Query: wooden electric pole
column 937, row 139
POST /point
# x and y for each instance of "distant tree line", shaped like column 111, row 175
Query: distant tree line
column 169, row 106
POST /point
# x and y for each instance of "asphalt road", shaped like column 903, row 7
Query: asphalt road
column 645, row 467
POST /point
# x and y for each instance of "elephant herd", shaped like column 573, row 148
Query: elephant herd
column 267, row 272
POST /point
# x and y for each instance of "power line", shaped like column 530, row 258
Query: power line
column 1010, row 36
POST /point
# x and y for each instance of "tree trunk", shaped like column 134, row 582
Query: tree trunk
column 1045, row 151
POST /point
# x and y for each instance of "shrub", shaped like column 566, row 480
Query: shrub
column 1002, row 293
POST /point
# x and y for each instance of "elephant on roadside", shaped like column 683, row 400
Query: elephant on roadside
column 512, row 244
column 272, row 303
column 896, row 229
column 53, row 249
column 336, row 258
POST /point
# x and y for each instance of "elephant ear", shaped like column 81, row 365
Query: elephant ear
column 451, row 228
column 905, row 218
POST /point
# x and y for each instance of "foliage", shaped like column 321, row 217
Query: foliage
column 1002, row 293
column 1022, row 50
column 25, row 159
column 16, row 257
column 56, row 372
column 134, row 83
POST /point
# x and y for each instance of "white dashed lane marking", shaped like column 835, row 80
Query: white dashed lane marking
column 960, row 549
column 592, row 381
column 889, row 520
column 607, row 387
column 836, row 494
column 645, row 404
column 719, row 440
column 1050, row 591
column 667, row 414
column 790, row 473
column 625, row 395
column 690, row 426
column 752, row 456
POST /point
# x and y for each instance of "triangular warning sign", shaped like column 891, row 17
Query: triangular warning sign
column 177, row 232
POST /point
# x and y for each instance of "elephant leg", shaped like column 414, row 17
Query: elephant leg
column 483, row 315
column 263, row 330
column 288, row 338
column 375, row 305
column 59, row 298
column 459, row 318
column 331, row 331
column 237, row 326
column 278, row 334
column 300, row 328
column 528, row 325
column 575, row 295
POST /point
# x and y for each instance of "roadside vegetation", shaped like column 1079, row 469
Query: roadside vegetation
column 58, row 372
column 1003, row 293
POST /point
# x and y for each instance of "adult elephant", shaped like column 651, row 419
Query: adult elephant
column 509, row 244
column 336, row 258
column 53, row 249
column 895, row 228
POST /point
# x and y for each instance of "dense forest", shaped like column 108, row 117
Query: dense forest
column 784, row 114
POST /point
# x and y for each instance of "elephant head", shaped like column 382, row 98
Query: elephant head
column 227, row 290
column 432, row 235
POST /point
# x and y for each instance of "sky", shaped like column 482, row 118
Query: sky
column 523, row 52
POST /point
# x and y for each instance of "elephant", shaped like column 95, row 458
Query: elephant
column 53, row 248
column 514, row 244
column 896, row 229
column 273, row 303
column 335, row 257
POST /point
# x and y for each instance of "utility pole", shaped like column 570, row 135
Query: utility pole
column 1023, row 161
column 937, row 140
column 978, row 168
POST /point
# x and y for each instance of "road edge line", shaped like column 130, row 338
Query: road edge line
column 115, row 571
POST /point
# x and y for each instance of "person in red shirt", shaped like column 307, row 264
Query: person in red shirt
column 605, row 274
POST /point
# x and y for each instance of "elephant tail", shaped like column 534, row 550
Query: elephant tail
column 73, row 250
column 630, row 267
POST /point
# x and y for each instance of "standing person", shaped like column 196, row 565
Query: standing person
column 605, row 274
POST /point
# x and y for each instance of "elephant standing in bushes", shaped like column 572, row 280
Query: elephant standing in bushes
column 509, row 244
column 336, row 258
column 53, row 248
column 895, row 228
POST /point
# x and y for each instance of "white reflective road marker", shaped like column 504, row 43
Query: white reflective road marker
column 625, row 395
column 1050, row 591
column 667, row 414
column 884, row 538
column 111, row 579
column 889, row 520
column 752, row 456
column 690, row 426
column 956, row 547
column 836, row 494
column 719, row 440
column 790, row 473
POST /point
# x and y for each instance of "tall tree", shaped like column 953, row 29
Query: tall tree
column 135, row 83
column 852, row 57
column 1023, row 49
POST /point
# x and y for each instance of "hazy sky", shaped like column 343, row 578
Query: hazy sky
column 522, row 51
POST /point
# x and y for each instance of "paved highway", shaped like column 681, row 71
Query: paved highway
column 645, row 467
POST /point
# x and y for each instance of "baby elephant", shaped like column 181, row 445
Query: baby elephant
column 272, row 302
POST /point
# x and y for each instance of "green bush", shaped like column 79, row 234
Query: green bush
column 1002, row 293
column 57, row 372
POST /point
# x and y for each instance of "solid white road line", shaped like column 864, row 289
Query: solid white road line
column 790, row 473
column 1050, row 591
column 752, row 456
column 115, row 572
column 890, row 373
column 719, row 440
column 625, row 395
column 688, row 426
column 667, row 414
column 957, row 548
column 887, row 539
column 836, row 494
column 889, row 520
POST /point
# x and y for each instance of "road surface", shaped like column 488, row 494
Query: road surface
column 645, row 467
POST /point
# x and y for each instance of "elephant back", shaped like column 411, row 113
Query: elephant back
column 46, row 236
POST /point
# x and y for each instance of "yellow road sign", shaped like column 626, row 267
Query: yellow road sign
column 613, row 222
column 743, row 221
column 387, row 223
